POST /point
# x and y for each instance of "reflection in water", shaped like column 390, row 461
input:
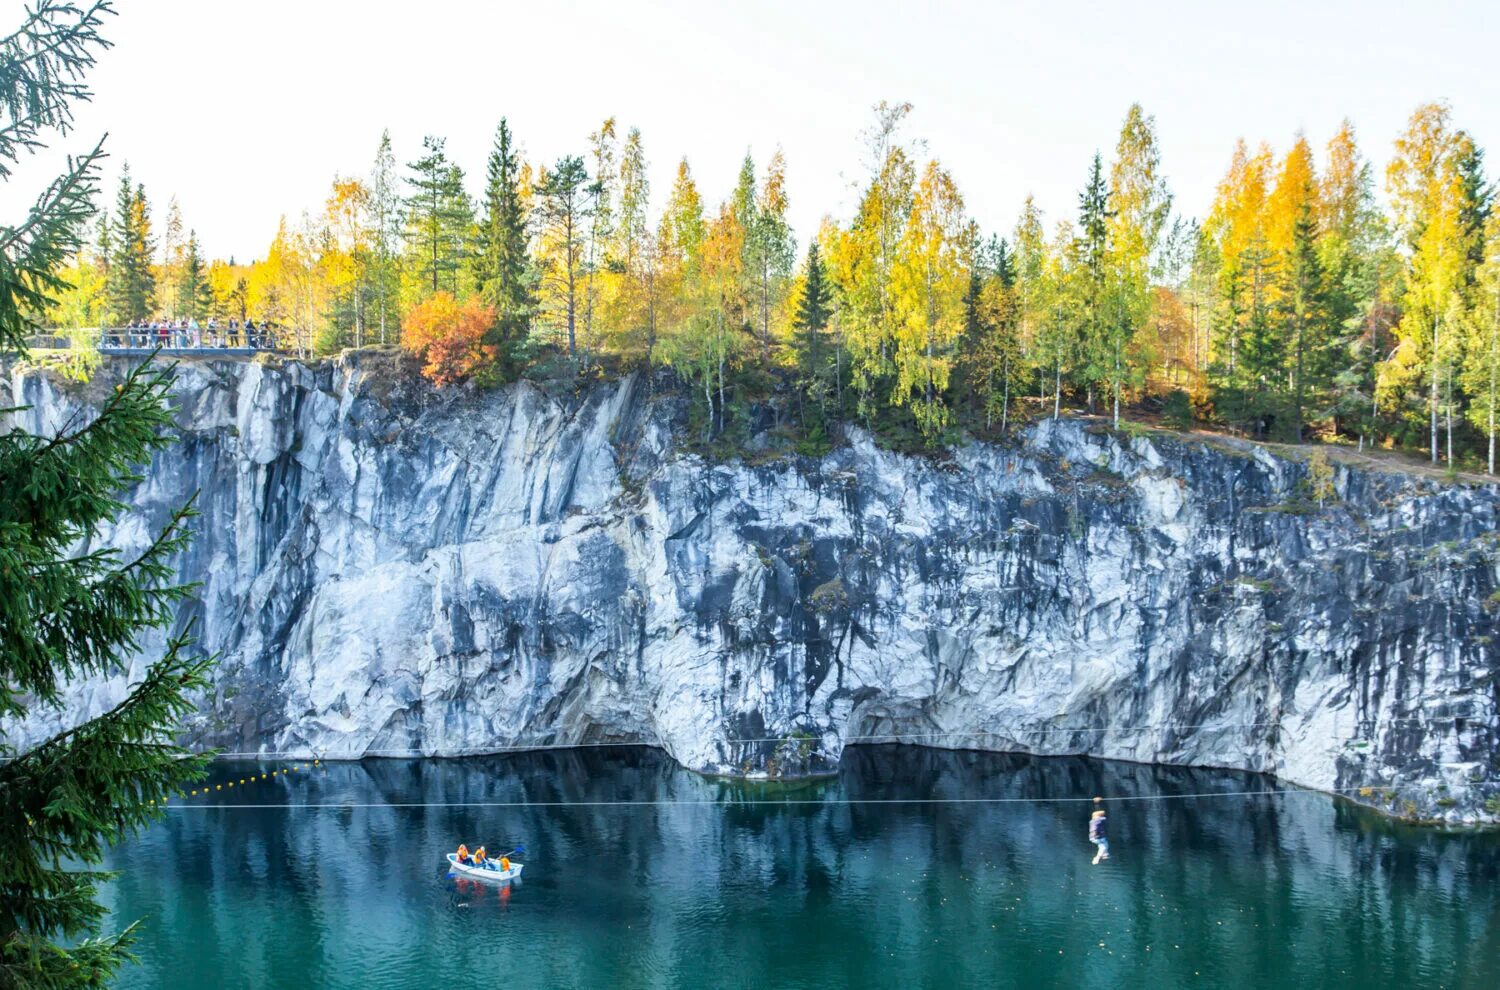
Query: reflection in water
column 1287, row 889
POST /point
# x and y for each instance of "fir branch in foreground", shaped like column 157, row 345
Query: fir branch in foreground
column 42, row 65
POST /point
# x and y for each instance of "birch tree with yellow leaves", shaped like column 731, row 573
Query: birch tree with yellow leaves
column 929, row 275
column 864, row 255
column 1481, row 375
column 1430, row 196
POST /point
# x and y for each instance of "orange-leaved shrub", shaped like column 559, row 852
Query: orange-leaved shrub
column 447, row 334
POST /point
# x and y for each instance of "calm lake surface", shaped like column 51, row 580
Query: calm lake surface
column 1295, row 889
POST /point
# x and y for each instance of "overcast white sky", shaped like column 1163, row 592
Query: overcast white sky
column 245, row 111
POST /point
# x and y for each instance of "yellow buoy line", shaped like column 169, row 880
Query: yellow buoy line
column 1289, row 791
column 243, row 782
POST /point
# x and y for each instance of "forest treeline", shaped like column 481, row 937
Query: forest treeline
column 1297, row 304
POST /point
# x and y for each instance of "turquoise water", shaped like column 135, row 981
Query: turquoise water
column 1295, row 889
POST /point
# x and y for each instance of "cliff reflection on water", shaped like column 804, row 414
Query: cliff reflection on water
column 729, row 883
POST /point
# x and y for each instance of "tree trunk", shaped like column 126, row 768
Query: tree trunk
column 838, row 373
column 765, row 311
column 1494, row 369
column 650, row 321
column 382, row 305
column 1117, row 387
column 1448, row 415
column 1057, row 392
column 572, row 259
column 1492, row 425
column 1297, row 402
column 1005, row 398
column 1432, row 397
column 708, row 397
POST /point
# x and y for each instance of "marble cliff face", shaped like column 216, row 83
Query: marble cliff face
column 387, row 569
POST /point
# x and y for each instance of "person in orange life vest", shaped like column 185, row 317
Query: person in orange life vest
column 505, row 863
column 479, row 856
column 463, row 853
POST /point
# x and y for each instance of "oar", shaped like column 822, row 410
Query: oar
column 518, row 851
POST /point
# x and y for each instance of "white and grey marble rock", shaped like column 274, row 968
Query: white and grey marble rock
column 389, row 569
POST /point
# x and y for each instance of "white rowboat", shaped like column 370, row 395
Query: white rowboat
column 489, row 871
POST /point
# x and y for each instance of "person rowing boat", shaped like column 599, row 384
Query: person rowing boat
column 478, row 864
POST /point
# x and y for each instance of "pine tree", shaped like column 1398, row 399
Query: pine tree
column 502, row 265
column 564, row 211
column 439, row 217
column 66, row 614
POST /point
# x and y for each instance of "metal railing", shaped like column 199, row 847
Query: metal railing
column 115, row 340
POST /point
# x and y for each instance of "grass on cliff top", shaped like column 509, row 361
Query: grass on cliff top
column 761, row 425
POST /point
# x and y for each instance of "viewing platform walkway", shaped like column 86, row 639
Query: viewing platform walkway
column 172, row 341
column 230, row 352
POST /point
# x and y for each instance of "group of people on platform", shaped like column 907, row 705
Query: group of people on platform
column 188, row 333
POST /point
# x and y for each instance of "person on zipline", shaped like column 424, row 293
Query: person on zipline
column 1098, row 836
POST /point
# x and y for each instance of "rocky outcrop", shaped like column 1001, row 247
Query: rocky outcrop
column 389, row 569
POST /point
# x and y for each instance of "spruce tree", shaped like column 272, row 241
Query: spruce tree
column 502, row 265
column 130, row 292
column 64, row 613
column 1261, row 367
column 1094, row 217
column 810, row 322
column 195, row 297
column 971, row 390
column 814, row 310
column 1313, row 338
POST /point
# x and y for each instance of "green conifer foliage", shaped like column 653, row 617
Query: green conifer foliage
column 814, row 309
column 503, row 266
column 130, row 291
column 64, row 613
column 439, row 217
column 195, row 297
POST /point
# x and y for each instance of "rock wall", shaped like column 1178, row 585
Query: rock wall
column 386, row 569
